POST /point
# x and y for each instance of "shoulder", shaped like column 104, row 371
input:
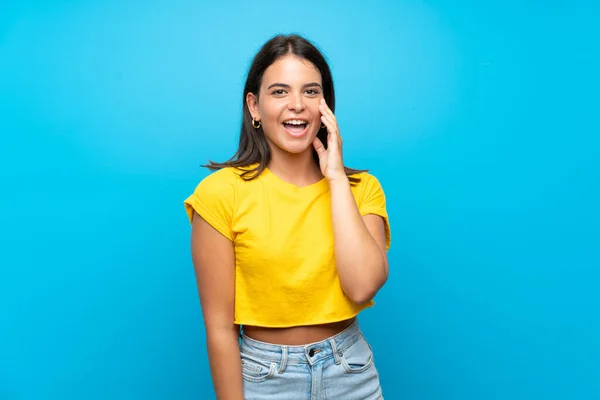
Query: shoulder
column 367, row 178
column 218, row 189
column 367, row 182
column 214, row 198
column 368, row 192
column 221, row 180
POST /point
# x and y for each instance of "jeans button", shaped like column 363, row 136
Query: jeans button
column 311, row 352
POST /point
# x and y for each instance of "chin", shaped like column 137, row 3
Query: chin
column 292, row 146
column 298, row 148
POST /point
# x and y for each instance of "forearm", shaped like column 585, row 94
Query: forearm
column 225, row 363
column 360, row 262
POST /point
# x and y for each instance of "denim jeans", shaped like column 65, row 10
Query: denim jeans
column 338, row 368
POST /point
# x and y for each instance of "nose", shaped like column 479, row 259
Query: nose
column 296, row 102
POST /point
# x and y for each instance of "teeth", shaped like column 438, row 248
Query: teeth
column 295, row 122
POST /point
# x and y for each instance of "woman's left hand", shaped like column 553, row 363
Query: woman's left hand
column 330, row 159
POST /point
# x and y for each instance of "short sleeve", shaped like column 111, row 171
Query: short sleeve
column 214, row 200
column 372, row 201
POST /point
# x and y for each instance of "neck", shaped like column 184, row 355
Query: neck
column 298, row 169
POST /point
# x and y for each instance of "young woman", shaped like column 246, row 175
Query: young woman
column 288, row 243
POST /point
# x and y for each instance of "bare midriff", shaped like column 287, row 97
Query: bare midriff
column 298, row 335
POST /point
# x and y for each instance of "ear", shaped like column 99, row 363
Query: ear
column 252, row 103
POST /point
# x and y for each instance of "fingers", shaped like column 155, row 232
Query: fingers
column 328, row 118
column 333, row 139
column 325, row 110
column 319, row 148
column 331, row 128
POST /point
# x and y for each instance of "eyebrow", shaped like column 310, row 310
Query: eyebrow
column 283, row 85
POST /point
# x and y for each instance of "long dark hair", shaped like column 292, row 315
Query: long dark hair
column 253, row 147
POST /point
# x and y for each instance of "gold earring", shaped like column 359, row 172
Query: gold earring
column 255, row 127
column 322, row 125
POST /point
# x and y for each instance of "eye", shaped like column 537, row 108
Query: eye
column 312, row 92
column 278, row 92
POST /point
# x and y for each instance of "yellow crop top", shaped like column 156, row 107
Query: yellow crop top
column 283, row 238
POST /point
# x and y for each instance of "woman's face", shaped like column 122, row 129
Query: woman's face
column 288, row 104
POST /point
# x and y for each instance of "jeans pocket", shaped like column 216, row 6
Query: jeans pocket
column 358, row 357
column 256, row 370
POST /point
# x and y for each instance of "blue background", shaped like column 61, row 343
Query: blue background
column 480, row 120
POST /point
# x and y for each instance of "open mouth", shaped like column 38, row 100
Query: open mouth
column 296, row 127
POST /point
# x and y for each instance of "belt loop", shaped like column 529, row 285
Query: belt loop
column 336, row 355
column 284, row 358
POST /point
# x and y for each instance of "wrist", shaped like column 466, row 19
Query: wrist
column 338, row 179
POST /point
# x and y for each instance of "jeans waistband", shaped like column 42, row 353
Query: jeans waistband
column 308, row 353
